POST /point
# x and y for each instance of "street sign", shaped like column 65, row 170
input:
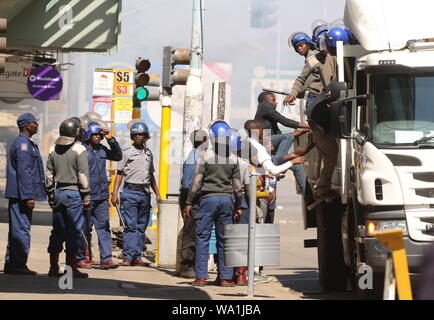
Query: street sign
column 45, row 83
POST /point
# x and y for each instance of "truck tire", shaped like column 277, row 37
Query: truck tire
column 356, row 257
column 333, row 273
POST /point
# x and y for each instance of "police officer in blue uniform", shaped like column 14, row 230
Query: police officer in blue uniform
column 98, row 213
column 137, row 170
column 25, row 185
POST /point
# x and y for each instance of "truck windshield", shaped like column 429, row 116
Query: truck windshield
column 402, row 108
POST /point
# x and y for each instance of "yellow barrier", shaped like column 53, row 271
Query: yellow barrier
column 394, row 240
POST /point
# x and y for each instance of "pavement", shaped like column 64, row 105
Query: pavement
column 295, row 279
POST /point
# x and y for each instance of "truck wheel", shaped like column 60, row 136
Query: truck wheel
column 356, row 257
column 333, row 273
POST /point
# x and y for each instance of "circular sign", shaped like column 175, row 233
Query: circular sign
column 260, row 72
column 45, row 83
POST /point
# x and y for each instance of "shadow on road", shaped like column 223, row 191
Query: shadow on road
column 306, row 281
column 98, row 287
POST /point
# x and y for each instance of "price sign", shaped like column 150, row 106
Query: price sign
column 123, row 82
column 122, row 90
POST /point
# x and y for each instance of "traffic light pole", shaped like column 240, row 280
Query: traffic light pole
column 193, row 105
column 163, row 183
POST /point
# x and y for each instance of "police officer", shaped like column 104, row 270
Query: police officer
column 138, row 169
column 24, row 185
column 217, row 178
column 323, row 64
column 67, row 182
column 302, row 44
column 98, row 213
column 199, row 140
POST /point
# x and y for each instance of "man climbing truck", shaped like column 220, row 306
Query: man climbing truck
column 383, row 120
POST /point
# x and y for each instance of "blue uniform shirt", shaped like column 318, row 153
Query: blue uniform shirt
column 97, row 167
column 189, row 169
column 25, row 172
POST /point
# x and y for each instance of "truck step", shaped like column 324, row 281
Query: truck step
column 310, row 243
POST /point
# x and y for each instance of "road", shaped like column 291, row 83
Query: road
column 295, row 279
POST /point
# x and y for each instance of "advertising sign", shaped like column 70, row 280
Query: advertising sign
column 45, row 83
column 13, row 81
column 123, row 82
column 123, row 108
column 103, row 82
column 103, row 106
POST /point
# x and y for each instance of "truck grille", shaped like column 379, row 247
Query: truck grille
column 425, row 192
column 399, row 160
column 420, row 224
column 424, row 176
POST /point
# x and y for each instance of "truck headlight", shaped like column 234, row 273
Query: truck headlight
column 388, row 225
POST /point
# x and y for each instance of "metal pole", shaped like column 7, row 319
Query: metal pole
column 193, row 106
column 278, row 49
column 252, row 234
column 163, row 183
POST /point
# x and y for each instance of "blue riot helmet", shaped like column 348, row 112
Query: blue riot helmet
column 351, row 37
column 138, row 126
column 336, row 34
column 234, row 141
column 219, row 128
column 339, row 23
column 318, row 23
column 92, row 128
column 318, row 28
column 219, row 132
column 297, row 38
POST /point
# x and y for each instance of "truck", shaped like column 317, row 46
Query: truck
column 383, row 122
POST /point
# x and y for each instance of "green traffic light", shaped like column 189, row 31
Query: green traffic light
column 142, row 93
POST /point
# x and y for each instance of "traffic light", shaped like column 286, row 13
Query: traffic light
column 263, row 13
column 171, row 77
column 3, row 27
column 143, row 79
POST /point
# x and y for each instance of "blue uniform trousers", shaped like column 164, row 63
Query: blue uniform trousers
column 98, row 216
column 212, row 209
column 67, row 221
column 20, row 221
column 244, row 219
column 136, row 208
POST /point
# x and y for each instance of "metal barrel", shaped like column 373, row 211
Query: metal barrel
column 267, row 245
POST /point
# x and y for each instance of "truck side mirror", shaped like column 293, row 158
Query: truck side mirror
column 340, row 120
column 336, row 89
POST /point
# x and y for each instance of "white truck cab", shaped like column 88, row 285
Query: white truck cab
column 384, row 125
